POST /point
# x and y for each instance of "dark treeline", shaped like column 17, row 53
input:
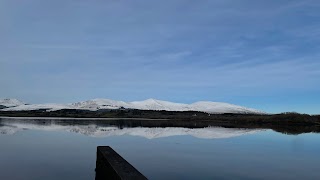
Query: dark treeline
column 177, row 115
column 289, row 123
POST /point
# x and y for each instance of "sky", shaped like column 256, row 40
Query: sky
column 255, row 53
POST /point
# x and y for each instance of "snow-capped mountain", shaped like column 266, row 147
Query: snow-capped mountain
column 11, row 102
column 149, row 104
column 153, row 104
column 219, row 107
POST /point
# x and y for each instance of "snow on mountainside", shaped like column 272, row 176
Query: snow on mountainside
column 30, row 107
column 149, row 104
column 219, row 107
column 11, row 102
column 96, row 104
column 153, row 104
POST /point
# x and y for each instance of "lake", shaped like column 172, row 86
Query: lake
column 66, row 149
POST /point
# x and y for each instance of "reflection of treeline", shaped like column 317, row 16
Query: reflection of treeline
column 290, row 123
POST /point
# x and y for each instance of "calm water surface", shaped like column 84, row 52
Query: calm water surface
column 51, row 151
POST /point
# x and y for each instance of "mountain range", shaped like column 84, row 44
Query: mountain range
column 149, row 104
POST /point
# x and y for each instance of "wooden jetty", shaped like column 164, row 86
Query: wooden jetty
column 110, row 165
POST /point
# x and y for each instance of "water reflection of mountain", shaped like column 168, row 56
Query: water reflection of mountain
column 106, row 130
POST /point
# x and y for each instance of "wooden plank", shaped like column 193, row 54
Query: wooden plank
column 110, row 165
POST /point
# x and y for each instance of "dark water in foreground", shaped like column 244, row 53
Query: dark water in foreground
column 51, row 151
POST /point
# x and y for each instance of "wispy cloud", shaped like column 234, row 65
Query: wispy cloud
column 201, row 49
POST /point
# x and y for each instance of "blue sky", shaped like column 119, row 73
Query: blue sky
column 260, row 54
